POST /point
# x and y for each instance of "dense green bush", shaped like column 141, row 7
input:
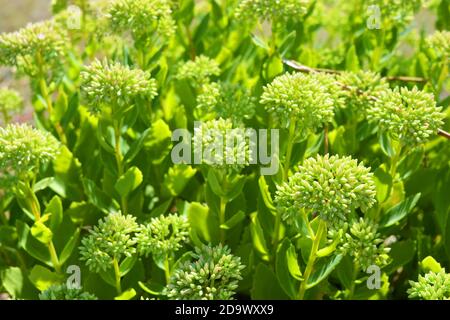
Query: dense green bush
column 104, row 197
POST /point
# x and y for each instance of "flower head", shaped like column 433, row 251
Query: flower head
column 62, row 292
column 113, row 238
column 432, row 286
column 10, row 102
column 200, row 70
column 222, row 145
column 305, row 98
column 440, row 43
column 273, row 10
column 228, row 101
column 331, row 186
column 360, row 88
column 163, row 235
column 410, row 116
column 364, row 245
column 112, row 85
column 212, row 275
column 142, row 17
column 37, row 47
column 23, row 150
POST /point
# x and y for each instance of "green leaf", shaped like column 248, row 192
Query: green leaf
column 286, row 265
column 259, row 42
column 126, row 265
column 55, row 209
column 177, row 177
column 43, row 278
column 129, row 181
column 126, row 295
column 233, row 221
column 41, row 232
column 265, row 193
column 31, row 245
column 265, row 285
column 158, row 143
column 345, row 271
column 351, row 60
column 152, row 288
column 202, row 221
column 12, row 280
column 383, row 183
column 430, row 264
column 323, row 269
column 136, row 146
column 259, row 242
column 398, row 212
column 401, row 253
column 68, row 248
column 386, row 144
column 98, row 198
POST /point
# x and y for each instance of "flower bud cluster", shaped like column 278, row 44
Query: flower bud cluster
column 212, row 274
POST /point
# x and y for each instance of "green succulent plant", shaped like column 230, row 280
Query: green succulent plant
column 109, row 242
column 409, row 116
column 273, row 10
column 431, row 286
column 300, row 98
column 199, row 70
column 222, row 145
column 162, row 235
column 11, row 103
column 142, row 18
column 212, row 274
column 363, row 243
column 331, row 186
column 37, row 49
column 62, row 292
column 112, row 88
column 23, row 150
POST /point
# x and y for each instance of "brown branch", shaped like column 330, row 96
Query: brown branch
column 302, row 68
column 443, row 133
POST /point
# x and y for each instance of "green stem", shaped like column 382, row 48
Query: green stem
column 287, row 160
column 54, row 257
column 117, row 276
column 167, row 268
column 50, row 246
column 355, row 275
column 311, row 259
column 119, row 162
column 223, row 207
column 48, row 99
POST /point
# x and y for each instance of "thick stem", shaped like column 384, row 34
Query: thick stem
column 353, row 285
column 48, row 99
column 167, row 268
column 287, row 160
column 50, row 246
column 223, row 207
column 119, row 162
column 325, row 132
column 117, row 276
column 311, row 259
column 54, row 257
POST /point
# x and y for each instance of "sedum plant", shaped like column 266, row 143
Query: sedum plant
column 409, row 116
column 152, row 125
column 23, row 150
column 212, row 274
column 162, row 237
column 62, row 292
column 109, row 244
column 11, row 103
column 330, row 186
